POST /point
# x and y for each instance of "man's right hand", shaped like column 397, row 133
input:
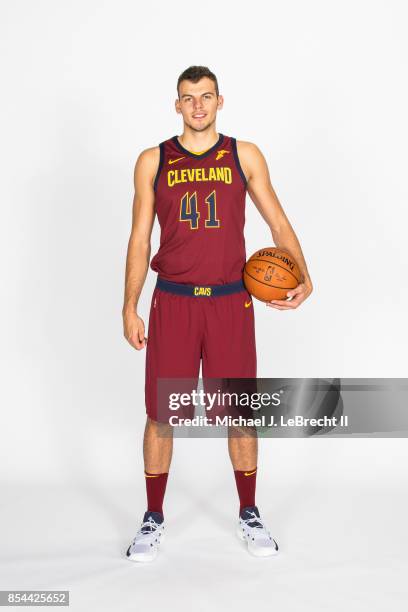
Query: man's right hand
column 134, row 330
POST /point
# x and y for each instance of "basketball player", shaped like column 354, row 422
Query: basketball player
column 196, row 183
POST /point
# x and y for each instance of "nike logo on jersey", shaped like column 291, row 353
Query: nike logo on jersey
column 247, row 304
column 173, row 161
column 221, row 154
column 249, row 473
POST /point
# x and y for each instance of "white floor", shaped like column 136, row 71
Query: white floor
column 341, row 548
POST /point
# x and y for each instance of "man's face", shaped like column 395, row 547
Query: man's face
column 198, row 103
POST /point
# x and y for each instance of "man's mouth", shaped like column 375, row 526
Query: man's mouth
column 199, row 116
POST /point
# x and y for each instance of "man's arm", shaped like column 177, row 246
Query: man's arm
column 265, row 199
column 138, row 254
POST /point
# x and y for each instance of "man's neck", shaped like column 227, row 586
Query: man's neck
column 198, row 141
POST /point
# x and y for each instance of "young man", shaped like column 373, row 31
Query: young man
column 197, row 184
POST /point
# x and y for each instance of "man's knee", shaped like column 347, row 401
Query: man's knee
column 160, row 430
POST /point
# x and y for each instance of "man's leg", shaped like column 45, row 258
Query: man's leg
column 157, row 452
column 243, row 452
column 157, row 446
column 229, row 351
column 172, row 352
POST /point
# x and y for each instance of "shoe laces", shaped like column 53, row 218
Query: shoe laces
column 148, row 529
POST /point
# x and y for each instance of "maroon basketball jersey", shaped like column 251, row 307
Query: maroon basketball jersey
column 200, row 204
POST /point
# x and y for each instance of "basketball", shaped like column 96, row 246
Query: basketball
column 270, row 273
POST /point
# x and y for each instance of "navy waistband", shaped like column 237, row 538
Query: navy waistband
column 200, row 290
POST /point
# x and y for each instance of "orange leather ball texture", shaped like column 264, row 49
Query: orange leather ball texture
column 270, row 273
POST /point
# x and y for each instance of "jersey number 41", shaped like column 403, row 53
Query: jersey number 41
column 189, row 210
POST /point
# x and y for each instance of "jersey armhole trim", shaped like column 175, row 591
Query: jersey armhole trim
column 235, row 152
column 159, row 169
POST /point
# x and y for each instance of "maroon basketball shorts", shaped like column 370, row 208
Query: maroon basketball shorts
column 190, row 323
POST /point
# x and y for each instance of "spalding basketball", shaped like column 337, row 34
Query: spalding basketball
column 270, row 273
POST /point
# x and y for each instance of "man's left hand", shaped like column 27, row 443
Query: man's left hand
column 296, row 295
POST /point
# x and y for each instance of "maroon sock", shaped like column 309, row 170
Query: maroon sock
column 155, row 489
column 246, row 483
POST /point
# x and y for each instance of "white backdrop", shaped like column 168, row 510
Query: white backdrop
column 320, row 87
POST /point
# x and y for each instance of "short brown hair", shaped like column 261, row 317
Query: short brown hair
column 194, row 74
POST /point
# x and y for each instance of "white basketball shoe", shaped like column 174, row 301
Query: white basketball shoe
column 145, row 545
column 252, row 529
